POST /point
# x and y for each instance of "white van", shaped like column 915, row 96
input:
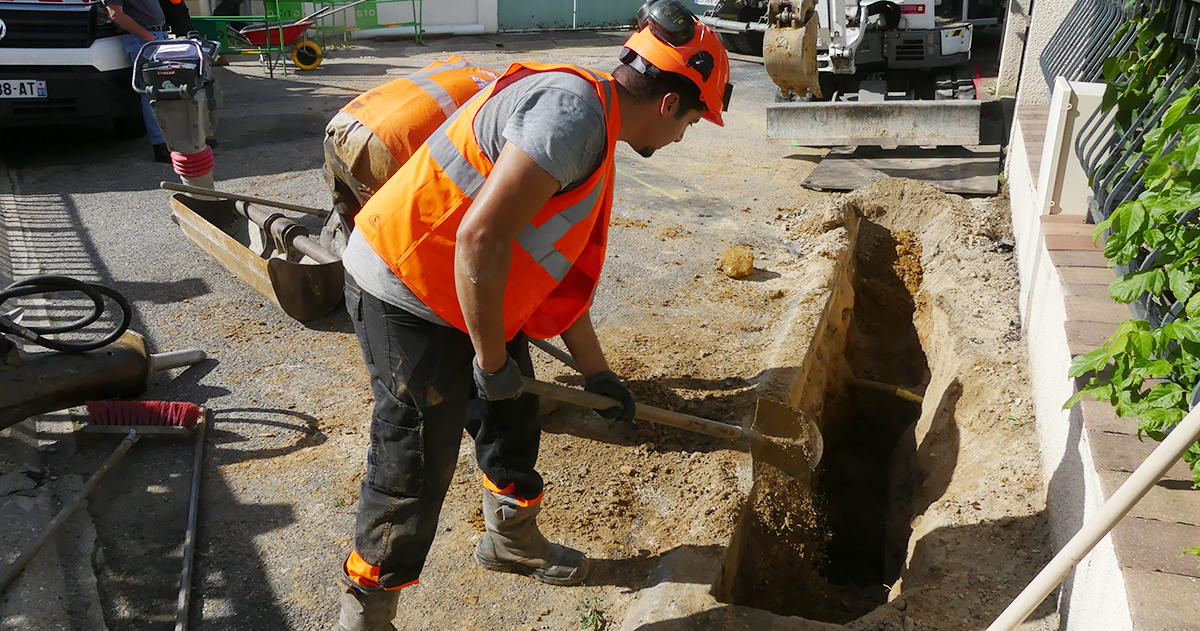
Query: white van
column 62, row 61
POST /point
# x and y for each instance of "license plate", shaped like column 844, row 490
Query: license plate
column 22, row 89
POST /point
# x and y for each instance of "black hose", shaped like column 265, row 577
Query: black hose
column 51, row 284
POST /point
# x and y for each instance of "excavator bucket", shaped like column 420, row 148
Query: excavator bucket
column 306, row 285
column 790, row 47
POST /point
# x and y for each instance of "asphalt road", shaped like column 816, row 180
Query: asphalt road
column 87, row 204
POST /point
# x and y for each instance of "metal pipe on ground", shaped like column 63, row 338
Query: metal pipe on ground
column 208, row 192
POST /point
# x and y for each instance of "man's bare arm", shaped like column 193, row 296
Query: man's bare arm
column 581, row 340
column 118, row 15
column 515, row 191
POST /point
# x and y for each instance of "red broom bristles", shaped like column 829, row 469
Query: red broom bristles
column 176, row 413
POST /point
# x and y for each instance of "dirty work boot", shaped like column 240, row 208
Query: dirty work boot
column 513, row 543
column 365, row 610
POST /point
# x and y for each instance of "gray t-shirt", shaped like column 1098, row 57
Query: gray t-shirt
column 144, row 12
column 555, row 117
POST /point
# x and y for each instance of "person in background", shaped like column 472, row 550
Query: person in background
column 179, row 20
column 368, row 140
column 142, row 21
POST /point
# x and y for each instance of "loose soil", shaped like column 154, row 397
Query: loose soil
column 944, row 504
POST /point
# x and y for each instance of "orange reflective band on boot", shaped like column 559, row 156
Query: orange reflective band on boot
column 365, row 574
column 509, row 490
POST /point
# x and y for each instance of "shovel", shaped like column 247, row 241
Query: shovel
column 793, row 455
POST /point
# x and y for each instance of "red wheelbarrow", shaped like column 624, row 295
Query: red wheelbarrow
column 306, row 54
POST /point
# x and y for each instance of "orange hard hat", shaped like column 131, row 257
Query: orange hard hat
column 671, row 39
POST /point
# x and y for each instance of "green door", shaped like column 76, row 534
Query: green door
column 520, row 15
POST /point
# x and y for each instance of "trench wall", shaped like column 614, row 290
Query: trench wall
column 814, row 328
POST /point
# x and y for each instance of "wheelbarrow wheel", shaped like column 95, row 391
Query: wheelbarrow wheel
column 306, row 55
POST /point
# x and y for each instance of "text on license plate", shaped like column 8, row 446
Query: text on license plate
column 22, row 89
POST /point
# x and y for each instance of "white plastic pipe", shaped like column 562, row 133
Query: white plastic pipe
column 432, row 29
column 1145, row 476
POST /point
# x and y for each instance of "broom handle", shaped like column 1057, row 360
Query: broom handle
column 15, row 569
column 176, row 359
column 1144, row 477
column 183, row 607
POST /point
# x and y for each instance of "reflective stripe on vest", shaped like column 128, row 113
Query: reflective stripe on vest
column 538, row 241
column 437, row 92
column 403, row 112
column 557, row 257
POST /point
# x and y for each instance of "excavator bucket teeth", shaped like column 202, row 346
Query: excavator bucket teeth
column 790, row 48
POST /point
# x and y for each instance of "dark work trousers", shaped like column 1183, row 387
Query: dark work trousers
column 422, row 381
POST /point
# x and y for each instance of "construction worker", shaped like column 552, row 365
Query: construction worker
column 493, row 231
column 368, row 140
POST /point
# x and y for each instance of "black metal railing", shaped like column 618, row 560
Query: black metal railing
column 1111, row 147
column 1083, row 41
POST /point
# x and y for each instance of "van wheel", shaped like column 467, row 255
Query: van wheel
column 130, row 126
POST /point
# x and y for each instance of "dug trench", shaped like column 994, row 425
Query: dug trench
column 922, row 514
column 849, row 549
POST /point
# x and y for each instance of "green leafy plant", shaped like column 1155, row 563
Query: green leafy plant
column 591, row 617
column 1148, row 372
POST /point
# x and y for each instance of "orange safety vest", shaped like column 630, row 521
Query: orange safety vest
column 404, row 112
column 412, row 221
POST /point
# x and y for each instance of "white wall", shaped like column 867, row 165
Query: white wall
column 1047, row 16
column 1093, row 597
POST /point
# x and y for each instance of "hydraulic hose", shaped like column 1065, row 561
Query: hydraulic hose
column 47, row 284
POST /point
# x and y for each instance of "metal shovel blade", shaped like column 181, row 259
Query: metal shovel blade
column 792, row 441
column 304, row 291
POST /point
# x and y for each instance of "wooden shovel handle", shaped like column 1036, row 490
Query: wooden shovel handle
column 643, row 412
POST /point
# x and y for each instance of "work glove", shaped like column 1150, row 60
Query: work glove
column 609, row 384
column 501, row 385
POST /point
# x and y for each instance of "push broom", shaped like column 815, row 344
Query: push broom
column 133, row 419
